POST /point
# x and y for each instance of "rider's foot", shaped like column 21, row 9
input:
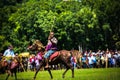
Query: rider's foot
column 46, row 66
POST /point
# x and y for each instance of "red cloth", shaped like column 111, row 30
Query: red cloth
column 55, row 54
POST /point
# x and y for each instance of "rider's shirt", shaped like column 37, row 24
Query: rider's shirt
column 9, row 53
column 52, row 44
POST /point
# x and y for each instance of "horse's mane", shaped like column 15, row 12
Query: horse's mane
column 39, row 44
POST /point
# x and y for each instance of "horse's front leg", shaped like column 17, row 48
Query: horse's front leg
column 8, row 74
column 50, row 73
column 63, row 75
column 72, row 72
column 37, row 71
column 35, row 74
column 15, row 72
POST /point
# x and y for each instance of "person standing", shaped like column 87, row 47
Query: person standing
column 73, row 61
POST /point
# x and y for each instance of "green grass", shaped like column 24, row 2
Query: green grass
column 80, row 74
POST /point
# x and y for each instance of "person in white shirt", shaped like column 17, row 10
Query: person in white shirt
column 9, row 53
column 91, row 60
column 37, row 63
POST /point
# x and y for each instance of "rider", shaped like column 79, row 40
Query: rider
column 50, row 48
column 9, row 53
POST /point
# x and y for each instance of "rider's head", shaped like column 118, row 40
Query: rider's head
column 51, row 34
column 10, row 47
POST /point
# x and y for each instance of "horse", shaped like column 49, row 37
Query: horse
column 11, row 67
column 3, row 65
column 61, row 56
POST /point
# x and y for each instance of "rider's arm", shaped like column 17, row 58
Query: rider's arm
column 5, row 53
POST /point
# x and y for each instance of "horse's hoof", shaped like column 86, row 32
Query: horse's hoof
column 52, row 78
column 11, row 75
column 63, row 76
column 34, row 78
column 46, row 68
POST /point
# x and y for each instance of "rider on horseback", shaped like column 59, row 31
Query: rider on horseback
column 50, row 48
column 9, row 54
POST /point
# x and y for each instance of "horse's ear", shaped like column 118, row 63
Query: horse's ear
column 34, row 42
column 37, row 41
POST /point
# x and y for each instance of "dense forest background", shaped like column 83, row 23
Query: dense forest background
column 89, row 24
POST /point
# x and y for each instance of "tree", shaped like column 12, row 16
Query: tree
column 92, row 24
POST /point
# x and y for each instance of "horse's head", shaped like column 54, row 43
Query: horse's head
column 3, row 62
column 37, row 45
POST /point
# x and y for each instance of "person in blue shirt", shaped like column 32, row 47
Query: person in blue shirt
column 9, row 54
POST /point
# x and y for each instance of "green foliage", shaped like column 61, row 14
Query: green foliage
column 5, row 42
column 92, row 24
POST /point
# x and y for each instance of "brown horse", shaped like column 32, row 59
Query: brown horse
column 11, row 67
column 3, row 65
column 62, row 56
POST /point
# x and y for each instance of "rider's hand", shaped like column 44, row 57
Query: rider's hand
column 49, row 37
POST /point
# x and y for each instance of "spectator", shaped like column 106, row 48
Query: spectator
column 32, row 62
column 98, row 60
column 108, row 55
column 103, row 58
column 37, row 64
column 113, row 62
column 73, row 61
column 90, row 61
column 84, row 61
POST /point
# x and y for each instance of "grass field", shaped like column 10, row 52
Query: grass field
column 80, row 74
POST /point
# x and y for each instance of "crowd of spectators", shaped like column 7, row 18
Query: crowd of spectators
column 89, row 59
column 100, row 59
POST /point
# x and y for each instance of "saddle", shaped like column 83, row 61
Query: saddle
column 54, row 56
column 14, row 64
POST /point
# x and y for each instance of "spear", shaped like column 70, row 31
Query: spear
column 52, row 25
